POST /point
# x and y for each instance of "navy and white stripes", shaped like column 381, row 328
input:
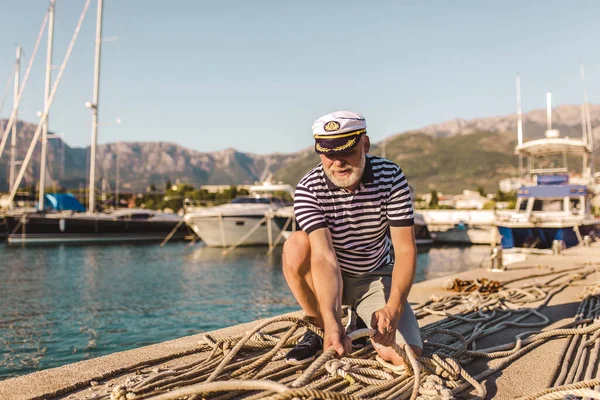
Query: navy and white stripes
column 358, row 221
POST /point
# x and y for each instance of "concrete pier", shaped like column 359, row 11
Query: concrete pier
column 523, row 376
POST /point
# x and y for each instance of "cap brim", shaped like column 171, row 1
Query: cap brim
column 334, row 146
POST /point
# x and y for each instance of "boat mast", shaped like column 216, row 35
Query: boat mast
column 13, row 137
column 36, row 135
column 519, row 124
column 94, row 107
column 46, row 96
column 13, row 116
column 117, row 178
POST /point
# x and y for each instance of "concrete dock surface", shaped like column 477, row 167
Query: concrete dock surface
column 527, row 374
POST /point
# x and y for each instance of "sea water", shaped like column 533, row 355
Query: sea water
column 62, row 304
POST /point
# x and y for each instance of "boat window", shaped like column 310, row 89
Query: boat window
column 250, row 200
column 548, row 205
column 575, row 206
column 136, row 216
column 522, row 205
column 141, row 216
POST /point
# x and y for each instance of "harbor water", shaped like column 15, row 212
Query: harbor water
column 62, row 304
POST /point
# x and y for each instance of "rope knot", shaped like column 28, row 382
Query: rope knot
column 341, row 369
column 433, row 388
column 337, row 367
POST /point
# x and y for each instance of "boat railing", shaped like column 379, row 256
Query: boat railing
column 537, row 217
column 543, row 171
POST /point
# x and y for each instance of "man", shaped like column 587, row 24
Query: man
column 352, row 208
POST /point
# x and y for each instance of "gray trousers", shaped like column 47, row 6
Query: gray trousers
column 369, row 292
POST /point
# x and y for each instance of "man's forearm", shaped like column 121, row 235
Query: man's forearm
column 403, row 276
column 327, row 280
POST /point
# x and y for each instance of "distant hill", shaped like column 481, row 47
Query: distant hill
column 450, row 156
column 463, row 154
column 140, row 163
column 449, row 164
column 566, row 118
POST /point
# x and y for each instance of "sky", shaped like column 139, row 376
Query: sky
column 253, row 76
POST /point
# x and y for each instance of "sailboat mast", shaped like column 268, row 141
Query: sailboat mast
column 46, row 97
column 519, row 124
column 94, row 107
column 117, row 178
column 13, row 138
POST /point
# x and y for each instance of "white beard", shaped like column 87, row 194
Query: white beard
column 349, row 180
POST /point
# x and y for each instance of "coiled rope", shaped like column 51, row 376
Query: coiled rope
column 250, row 365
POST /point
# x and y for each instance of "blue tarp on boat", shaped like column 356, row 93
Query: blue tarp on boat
column 62, row 202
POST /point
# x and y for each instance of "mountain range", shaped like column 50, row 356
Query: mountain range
column 450, row 156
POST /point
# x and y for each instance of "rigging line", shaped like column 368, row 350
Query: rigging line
column 13, row 115
column 7, row 87
column 44, row 116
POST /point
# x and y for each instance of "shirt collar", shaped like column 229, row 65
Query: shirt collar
column 367, row 176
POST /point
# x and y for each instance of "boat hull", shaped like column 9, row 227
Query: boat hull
column 226, row 231
column 423, row 237
column 467, row 236
column 42, row 229
column 543, row 237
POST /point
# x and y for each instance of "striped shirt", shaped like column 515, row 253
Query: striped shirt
column 358, row 221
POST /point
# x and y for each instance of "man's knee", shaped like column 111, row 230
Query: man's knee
column 296, row 252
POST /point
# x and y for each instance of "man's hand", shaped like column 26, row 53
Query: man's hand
column 335, row 337
column 385, row 321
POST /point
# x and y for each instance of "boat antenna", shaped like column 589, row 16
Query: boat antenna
column 519, row 124
column 549, row 110
column 586, row 119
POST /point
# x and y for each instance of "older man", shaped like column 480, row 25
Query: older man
column 356, row 246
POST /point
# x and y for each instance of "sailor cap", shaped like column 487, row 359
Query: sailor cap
column 338, row 132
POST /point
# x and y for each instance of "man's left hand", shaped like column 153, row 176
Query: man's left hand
column 385, row 321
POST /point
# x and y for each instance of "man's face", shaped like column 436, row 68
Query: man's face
column 346, row 169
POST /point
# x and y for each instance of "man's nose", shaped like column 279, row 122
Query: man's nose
column 338, row 160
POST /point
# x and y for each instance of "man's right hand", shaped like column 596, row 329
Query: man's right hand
column 335, row 337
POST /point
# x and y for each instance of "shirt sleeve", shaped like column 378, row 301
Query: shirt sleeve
column 399, row 207
column 307, row 210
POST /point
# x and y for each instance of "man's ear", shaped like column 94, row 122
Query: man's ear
column 367, row 144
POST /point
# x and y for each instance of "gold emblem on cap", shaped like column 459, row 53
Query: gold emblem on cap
column 331, row 126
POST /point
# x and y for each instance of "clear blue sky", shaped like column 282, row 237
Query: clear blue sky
column 255, row 75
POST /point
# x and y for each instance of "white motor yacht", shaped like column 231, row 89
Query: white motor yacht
column 254, row 220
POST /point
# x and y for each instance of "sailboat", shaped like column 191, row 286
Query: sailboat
column 73, row 223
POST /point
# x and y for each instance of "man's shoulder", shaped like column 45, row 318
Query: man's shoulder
column 312, row 176
column 383, row 166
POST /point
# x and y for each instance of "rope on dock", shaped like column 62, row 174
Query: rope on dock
column 251, row 365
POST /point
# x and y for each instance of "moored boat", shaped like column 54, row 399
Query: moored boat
column 554, row 206
column 254, row 220
column 68, row 226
